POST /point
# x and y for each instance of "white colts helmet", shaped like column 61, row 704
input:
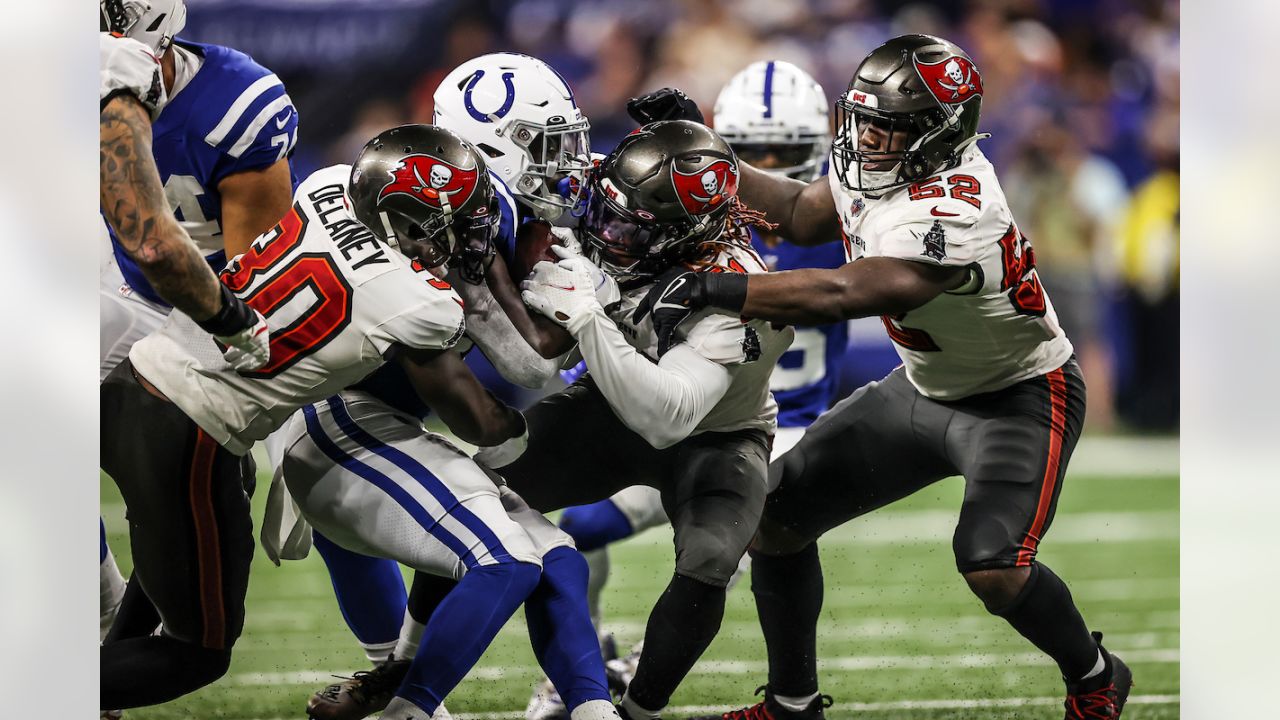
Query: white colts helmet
column 775, row 108
column 151, row 22
column 522, row 116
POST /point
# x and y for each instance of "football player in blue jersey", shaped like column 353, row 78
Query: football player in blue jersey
column 774, row 115
column 221, row 134
column 523, row 117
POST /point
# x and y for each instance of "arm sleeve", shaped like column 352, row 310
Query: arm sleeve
column 256, row 134
column 663, row 403
column 127, row 66
column 501, row 342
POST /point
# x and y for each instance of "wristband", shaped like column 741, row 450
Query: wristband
column 727, row 291
column 231, row 318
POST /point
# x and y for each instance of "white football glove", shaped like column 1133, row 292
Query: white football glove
column 504, row 453
column 563, row 291
column 250, row 348
column 606, row 287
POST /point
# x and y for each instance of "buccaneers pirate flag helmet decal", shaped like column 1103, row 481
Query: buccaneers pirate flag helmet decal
column 705, row 189
column 432, row 181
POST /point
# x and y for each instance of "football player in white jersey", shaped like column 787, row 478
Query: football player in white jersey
column 371, row 480
column 523, row 117
column 775, row 116
column 179, row 420
column 698, row 424
column 989, row 387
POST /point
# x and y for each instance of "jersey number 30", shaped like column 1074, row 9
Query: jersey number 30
column 302, row 327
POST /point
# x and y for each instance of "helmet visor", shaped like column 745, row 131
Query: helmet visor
column 620, row 240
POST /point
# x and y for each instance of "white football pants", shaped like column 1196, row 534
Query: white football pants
column 374, row 481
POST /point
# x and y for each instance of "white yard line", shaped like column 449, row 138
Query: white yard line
column 849, row 663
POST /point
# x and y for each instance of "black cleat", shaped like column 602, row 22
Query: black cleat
column 365, row 693
column 1102, row 697
column 769, row 709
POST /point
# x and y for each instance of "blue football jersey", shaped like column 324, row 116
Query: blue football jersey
column 389, row 383
column 806, row 377
column 234, row 115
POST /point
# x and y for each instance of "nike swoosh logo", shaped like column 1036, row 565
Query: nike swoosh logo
column 569, row 288
column 281, row 122
column 679, row 283
column 939, row 213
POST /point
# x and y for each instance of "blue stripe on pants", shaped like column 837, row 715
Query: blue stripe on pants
column 386, row 485
column 424, row 476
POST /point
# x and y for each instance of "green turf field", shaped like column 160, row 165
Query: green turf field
column 901, row 635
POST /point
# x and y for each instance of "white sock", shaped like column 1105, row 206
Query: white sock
column 110, row 592
column 794, row 704
column 1098, row 667
column 594, row 710
column 410, row 636
column 636, row 712
column 378, row 652
column 401, row 709
column 598, row 575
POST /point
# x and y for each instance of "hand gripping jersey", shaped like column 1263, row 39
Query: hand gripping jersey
column 127, row 66
column 232, row 115
column 748, row 348
column 335, row 299
column 998, row 328
column 807, row 375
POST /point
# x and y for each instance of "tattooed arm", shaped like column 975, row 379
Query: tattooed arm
column 133, row 201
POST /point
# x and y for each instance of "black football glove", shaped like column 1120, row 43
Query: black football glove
column 676, row 295
column 665, row 104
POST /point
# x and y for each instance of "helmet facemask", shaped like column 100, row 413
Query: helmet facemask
column 559, row 156
column 628, row 246
column 154, row 23
column 464, row 242
column 866, row 170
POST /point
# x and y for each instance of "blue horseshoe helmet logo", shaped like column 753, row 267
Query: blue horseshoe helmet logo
column 507, row 102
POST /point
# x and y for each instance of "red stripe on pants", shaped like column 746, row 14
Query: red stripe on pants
column 1057, row 425
column 208, row 553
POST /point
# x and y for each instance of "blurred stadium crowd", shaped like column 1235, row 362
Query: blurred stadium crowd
column 1082, row 101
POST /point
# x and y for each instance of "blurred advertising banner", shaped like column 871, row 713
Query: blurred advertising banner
column 290, row 35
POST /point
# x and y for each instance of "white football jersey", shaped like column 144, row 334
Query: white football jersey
column 335, row 298
column 999, row 328
column 126, row 65
column 750, row 349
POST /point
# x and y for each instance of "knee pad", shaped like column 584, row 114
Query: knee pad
column 596, row 525
column 982, row 541
column 707, row 556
